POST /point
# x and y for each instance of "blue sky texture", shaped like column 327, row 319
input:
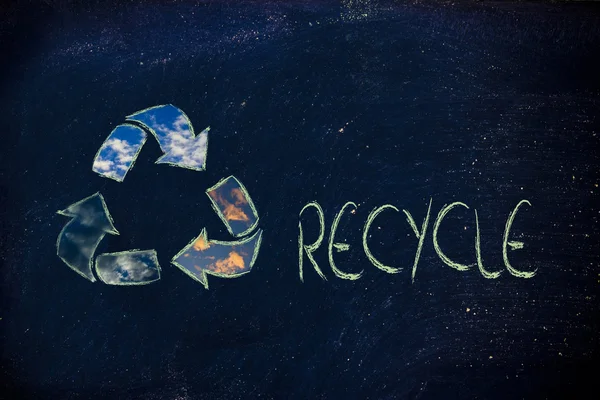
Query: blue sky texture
column 128, row 268
column 119, row 151
column 175, row 135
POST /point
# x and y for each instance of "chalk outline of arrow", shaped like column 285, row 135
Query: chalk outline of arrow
column 135, row 156
column 129, row 119
column 141, row 126
column 220, row 214
column 203, row 279
column 74, row 218
column 118, row 253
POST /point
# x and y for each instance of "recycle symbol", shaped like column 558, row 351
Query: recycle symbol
column 91, row 220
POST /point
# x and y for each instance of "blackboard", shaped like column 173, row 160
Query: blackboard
column 479, row 120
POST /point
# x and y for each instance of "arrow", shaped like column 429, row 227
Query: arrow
column 232, row 203
column 202, row 257
column 132, row 267
column 119, row 151
column 80, row 237
column 175, row 135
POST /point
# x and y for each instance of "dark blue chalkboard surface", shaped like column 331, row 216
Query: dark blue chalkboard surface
column 424, row 178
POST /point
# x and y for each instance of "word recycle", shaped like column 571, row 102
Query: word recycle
column 308, row 249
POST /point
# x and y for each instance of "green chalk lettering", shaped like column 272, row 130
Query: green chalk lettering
column 442, row 214
column 514, row 245
column 309, row 249
column 419, row 235
column 340, row 246
column 376, row 211
column 486, row 274
column 412, row 223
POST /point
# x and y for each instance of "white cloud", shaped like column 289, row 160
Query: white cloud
column 118, row 152
column 102, row 165
column 179, row 144
column 127, row 268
